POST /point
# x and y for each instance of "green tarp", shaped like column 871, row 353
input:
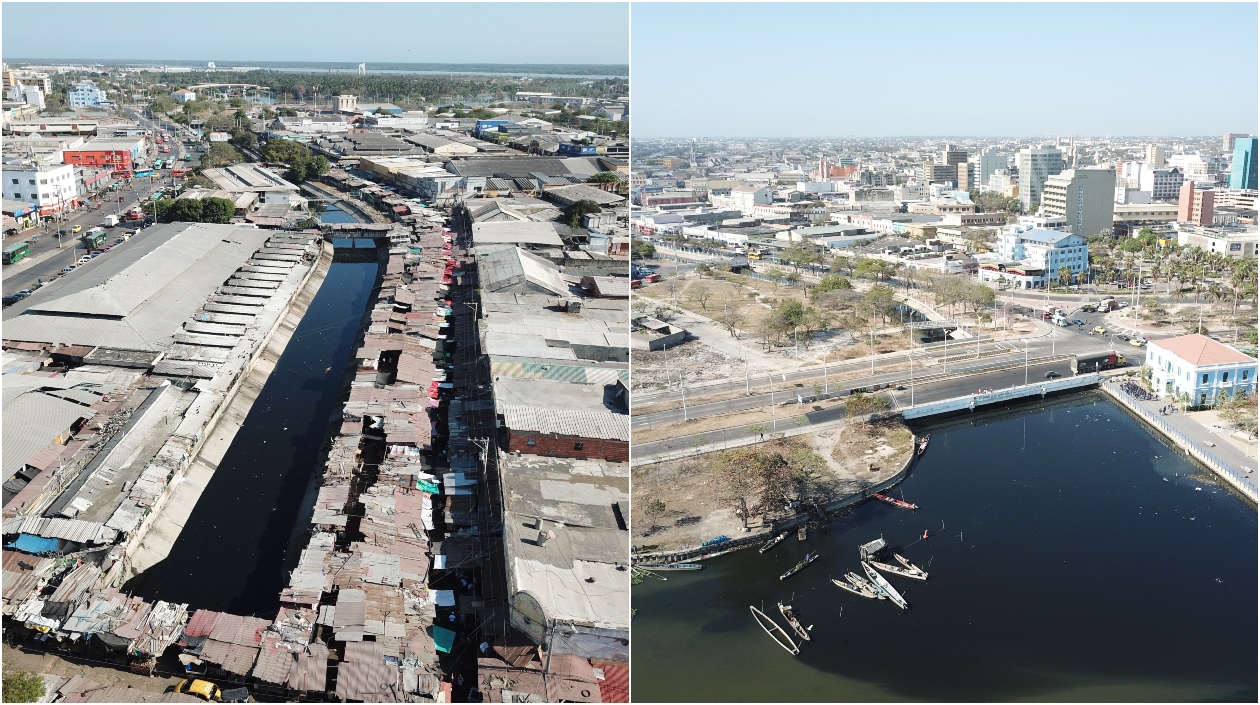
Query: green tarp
column 443, row 639
column 426, row 486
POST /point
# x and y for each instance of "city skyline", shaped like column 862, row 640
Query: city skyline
column 358, row 32
column 881, row 87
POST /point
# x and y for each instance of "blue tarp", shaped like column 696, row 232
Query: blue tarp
column 34, row 545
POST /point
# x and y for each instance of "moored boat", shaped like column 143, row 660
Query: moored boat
column 672, row 566
column 773, row 542
column 809, row 558
column 910, row 566
column 793, row 621
column 776, row 632
column 882, row 585
column 923, row 443
column 894, row 501
column 868, row 593
column 866, row 586
column 898, row 570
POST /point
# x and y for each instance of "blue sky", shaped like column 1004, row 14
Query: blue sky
column 573, row 33
column 985, row 69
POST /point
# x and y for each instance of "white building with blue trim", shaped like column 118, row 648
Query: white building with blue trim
column 1029, row 258
column 85, row 95
column 1200, row 368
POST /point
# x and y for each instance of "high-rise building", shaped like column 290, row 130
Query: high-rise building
column 1084, row 197
column 1195, row 205
column 1036, row 164
column 1230, row 139
column 1155, row 154
column 989, row 162
column 964, row 178
column 939, row 173
column 1162, row 184
column 1242, row 170
column 953, row 156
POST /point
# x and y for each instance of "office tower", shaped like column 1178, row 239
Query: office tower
column 1242, row 170
column 1085, row 197
column 1036, row 164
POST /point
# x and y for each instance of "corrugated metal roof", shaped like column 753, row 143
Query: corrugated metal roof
column 275, row 662
column 202, row 623
column 310, row 671
column 579, row 424
column 31, row 422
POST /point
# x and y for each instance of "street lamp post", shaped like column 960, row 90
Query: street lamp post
column 826, row 384
column 910, row 355
column 1025, row 362
column 773, row 412
column 682, row 388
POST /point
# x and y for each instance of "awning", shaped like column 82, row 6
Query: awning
column 34, row 545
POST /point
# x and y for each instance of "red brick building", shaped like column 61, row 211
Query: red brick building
column 1195, row 205
column 565, row 433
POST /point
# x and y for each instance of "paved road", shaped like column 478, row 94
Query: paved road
column 48, row 256
column 795, row 416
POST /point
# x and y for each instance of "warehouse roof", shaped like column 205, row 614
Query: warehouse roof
column 137, row 297
column 566, row 195
column 514, row 267
column 247, row 177
column 32, row 421
column 516, row 232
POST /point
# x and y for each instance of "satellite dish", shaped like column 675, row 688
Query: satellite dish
column 527, row 616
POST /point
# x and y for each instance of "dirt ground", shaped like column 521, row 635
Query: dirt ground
column 660, row 369
column 692, row 492
column 107, row 674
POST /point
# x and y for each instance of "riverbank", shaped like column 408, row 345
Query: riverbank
column 845, row 462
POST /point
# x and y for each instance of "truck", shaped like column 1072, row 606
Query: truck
column 1107, row 304
column 1082, row 364
column 111, row 221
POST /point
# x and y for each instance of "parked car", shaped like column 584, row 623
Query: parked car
column 1099, row 330
column 67, row 270
column 1077, row 322
column 1052, row 374
column 1122, row 336
column 202, row 689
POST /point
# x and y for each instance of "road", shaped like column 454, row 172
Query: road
column 50, row 254
column 791, row 416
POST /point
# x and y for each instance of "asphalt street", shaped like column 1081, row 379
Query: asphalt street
column 796, row 416
column 48, row 255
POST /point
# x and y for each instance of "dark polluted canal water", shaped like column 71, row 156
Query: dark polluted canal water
column 1082, row 559
column 233, row 554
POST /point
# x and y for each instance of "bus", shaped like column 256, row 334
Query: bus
column 142, row 174
column 177, row 172
column 157, row 164
column 13, row 253
column 95, row 238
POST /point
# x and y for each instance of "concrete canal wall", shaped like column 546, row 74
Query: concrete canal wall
column 1191, row 448
column 211, row 437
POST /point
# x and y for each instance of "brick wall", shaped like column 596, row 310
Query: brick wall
column 565, row 447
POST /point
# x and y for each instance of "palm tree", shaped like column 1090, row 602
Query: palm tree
column 1065, row 275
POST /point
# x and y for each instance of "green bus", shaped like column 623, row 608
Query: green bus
column 13, row 253
column 157, row 164
column 95, row 238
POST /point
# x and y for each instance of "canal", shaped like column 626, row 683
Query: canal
column 1073, row 556
column 333, row 214
column 234, row 552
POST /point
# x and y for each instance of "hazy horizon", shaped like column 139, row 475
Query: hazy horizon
column 426, row 33
column 874, row 70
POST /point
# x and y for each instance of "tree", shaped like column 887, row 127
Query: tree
column 186, row 210
column 244, row 139
column 700, row 295
column 831, row 282
column 288, row 112
column 573, row 213
column 216, row 210
column 641, row 249
column 604, row 177
column 653, row 509
column 220, row 154
column 23, row 687
column 1065, row 275
column 283, row 151
column 730, row 319
column 703, row 269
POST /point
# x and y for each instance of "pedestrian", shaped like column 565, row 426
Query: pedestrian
column 459, row 680
column 452, row 619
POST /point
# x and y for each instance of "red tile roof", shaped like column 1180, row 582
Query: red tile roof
column 1199, row 350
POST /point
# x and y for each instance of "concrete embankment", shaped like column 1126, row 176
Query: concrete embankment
column 1192, row 449
column 352, row 206
column 152, row 541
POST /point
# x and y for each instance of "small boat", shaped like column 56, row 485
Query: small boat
column 866, row 592
column 776, row 632
column 923, row 443
column 910, row 566
column 672, row 566
column 894, row 501
column 882, row 585
column 773, row 542
column 790, row 615
column 809, row 558
column 865, row 585
column 898, row 570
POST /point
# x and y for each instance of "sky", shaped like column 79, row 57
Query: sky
column 943, row 69
column 534, row 33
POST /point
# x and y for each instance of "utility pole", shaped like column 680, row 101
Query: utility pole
column 1025, row 362
column 682, row 388
column 826, row 384
column 773, row 412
